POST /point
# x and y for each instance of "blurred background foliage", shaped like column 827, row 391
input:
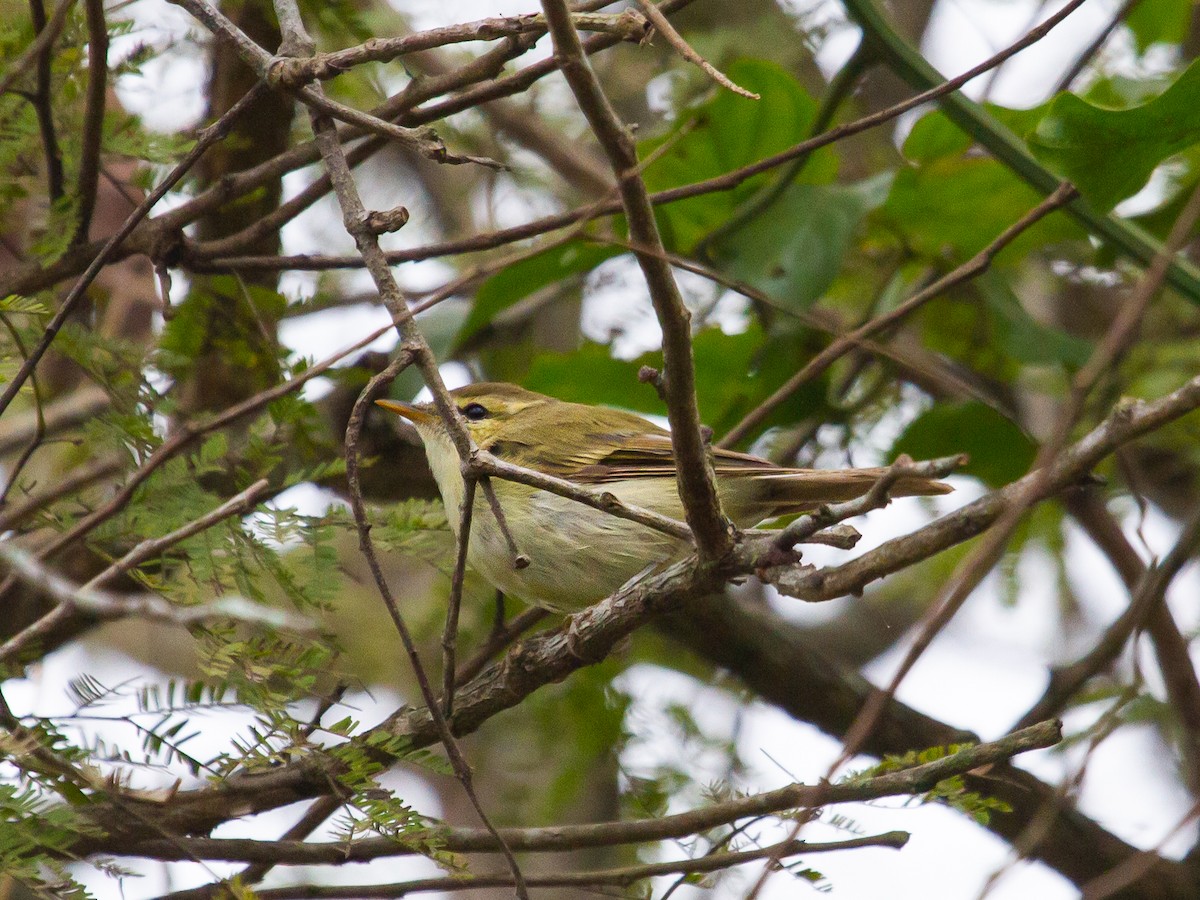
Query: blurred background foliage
column 781, row 262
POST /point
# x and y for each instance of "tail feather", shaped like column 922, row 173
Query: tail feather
column 783, row 492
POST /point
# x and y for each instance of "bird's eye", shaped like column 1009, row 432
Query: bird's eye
column 474, row 411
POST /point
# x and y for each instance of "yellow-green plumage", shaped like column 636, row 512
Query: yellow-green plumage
column 577, row 554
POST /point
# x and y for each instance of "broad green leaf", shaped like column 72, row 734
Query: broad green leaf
column 725, row 134
column 795, row 248
column 934, row 135
column 959, row 205
column 1160, row 22
column 523, row 278
column 1109, row 154
column 1000, row 451
column 442, row 326
column 1123, row 91
column 592, row 375
column 1023, row 337
column 734, row 373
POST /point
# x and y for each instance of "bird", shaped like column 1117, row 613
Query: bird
column 577, row 555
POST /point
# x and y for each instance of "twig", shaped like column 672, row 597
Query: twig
column 1085, row 57
column 728, row 181
column 93, row 117
column 805, row 526
column 621, row 877
column 487, row 464
column 490, row 87
column 1149, row 589
column 272, row 70
column 1146, row 587
column 838, row 90
column 296, row 41
column 450, row 632
column 320, row 810
column 44, row 107
column 827, row 321
column 664, row 27
column 499, row 638
column 517, row 559
column 73, row 599
column 1136, row 867
column 1031, row 488
column 1130, row 420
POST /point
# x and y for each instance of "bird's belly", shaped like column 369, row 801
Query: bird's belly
column 577, row 555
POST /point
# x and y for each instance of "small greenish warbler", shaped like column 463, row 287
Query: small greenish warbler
column 579, row 555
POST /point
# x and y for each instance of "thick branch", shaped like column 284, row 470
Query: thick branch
column 1129, row 420
column 626, row 26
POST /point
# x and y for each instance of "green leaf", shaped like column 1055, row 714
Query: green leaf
column 1023, row 338
column 442, row 325
column 1160, row 22
column 794, row 249
column 959, row 205
column 728, row 133
column 734, row 373
column 1109, row 154
column 934, row 135
column 1000, row 451
column 523, row 278
column 19, row 305
column 592, row 375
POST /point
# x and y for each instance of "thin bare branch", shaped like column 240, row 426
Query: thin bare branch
column 664, row 27
column 416, row 349
column 270, row 69
column 620, row 877
column 697, row 484
column 73, row 599
column 626, row 26
column 44, row 107
column 1033, row 487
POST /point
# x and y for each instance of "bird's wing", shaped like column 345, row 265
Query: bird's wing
column 613, row 450
column 776, row 490
column 650, row 455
